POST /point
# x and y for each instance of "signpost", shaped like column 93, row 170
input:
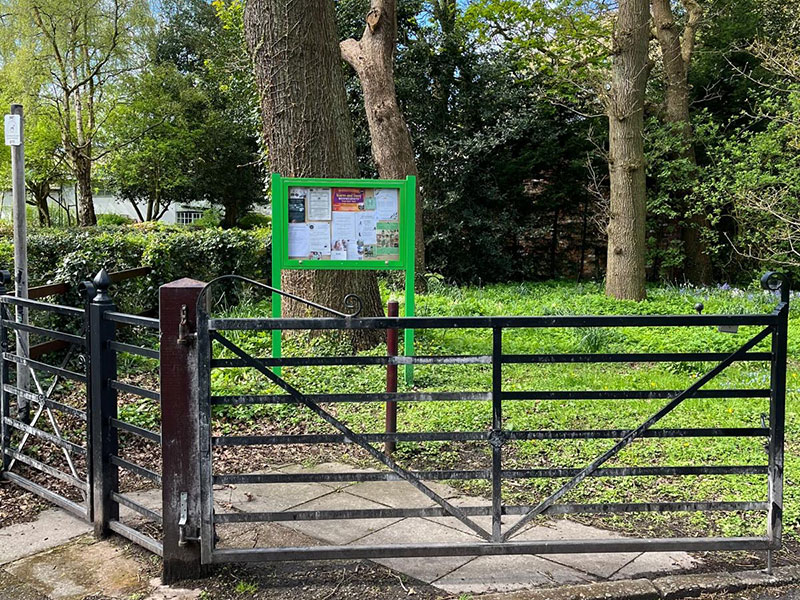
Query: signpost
column 13, row 129
column 343, row 224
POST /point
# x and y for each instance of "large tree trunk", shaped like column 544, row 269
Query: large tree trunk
column 307, row 129
column 372, row 58
column 625, row 276
column 677, row 54
column 83, row 176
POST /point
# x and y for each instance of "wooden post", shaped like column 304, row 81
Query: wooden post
column 389, row 446
column 20, row 258
column 180, row 429
column 103, row 405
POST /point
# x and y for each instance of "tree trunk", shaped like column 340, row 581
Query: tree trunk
column 676, row 54
column 41, row 193
column 298, row 71
column 372, row 58
column 83, row 176
column 625, row 276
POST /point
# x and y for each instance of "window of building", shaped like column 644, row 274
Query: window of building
column 187, row 217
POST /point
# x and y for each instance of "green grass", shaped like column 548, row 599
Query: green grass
column 545, row 299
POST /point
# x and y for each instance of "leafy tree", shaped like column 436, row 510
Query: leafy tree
column 77, row 51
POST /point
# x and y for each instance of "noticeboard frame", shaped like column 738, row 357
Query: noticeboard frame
column 406, row 244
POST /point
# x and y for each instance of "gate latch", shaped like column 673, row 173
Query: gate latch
column 183, row 538
column 185, row 336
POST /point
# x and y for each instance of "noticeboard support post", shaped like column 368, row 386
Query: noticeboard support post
column 405, row 261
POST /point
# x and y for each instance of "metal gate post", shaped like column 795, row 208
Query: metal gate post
column 102, row 405
column 180, row 430
column 5, row 410
column 777, row 421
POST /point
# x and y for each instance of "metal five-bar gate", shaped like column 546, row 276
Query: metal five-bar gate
column 217, row 347
column 158, row 487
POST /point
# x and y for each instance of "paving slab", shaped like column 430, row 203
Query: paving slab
column 339, row 531
column 329, row 467
column 601, row 564
column 399, row 494
column 420, row 531
column 683, row 586
column 78, row 569
column 50, row 529
column 656, row 563
column 635, row 589
column 266, row 497
column 508, row 573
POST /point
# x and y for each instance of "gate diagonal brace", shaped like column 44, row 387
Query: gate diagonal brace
column 625, row 441
column 344, row 429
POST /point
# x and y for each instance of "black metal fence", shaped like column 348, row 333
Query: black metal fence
column 157, row 487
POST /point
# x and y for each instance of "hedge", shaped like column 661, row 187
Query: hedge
column 173, row 252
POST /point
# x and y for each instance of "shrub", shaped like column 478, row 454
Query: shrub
column 173, row 252
column 105, row 220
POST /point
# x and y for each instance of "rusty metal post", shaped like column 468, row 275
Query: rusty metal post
column 180, row 469
column 389, row 446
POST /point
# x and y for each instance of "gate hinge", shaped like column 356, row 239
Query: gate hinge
column 185, row 336
column 183, row 538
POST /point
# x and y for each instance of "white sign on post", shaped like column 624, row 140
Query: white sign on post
column 13, row 127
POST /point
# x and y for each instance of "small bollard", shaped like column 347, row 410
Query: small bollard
column 391, row 380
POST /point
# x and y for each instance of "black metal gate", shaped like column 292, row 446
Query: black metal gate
column 45, row 420
column 771, row 331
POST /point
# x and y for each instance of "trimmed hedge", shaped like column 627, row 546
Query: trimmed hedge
column 173, row 252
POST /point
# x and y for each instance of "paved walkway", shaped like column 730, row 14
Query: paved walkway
column 455, row 575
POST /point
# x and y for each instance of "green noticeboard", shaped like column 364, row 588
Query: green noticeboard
column 343, row 224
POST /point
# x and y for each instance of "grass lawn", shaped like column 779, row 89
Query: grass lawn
column 560, row 298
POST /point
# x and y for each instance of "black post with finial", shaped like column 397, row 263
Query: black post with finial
column 102, row 403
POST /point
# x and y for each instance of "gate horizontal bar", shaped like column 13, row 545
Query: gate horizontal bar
column 56, row 335
column 69, row 311
column 44, row 468
column 43, row 435
column 476, row 359
column 48, row 495
column 136, row 507
column 137, row 537
column 136, row 430
column 377, row 397
column 337, row 361
column 127, row 388
column 131, row 349
column 469, row 436
column 261, row 324
column 487, row 473
column 40, row 366
column 135, row 469
column 126, row 319
column 478, row 511
column 490, row 548
column 487, row 396
column 40, row 399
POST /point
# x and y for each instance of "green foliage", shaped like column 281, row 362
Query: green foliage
column 253, row 220
column 173, row 252
column 109, row 220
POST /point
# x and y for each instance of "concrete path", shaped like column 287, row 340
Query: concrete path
column 38, row 553
column 455, row 575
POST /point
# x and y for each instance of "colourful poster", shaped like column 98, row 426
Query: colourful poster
column 348, row 199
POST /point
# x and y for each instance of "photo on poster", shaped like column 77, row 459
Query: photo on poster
column 388, row 239
column 297, row 205
column 319, row 204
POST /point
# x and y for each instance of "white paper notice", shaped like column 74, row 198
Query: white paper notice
column 319, row 239
column 319, row 204
column 344, row 226
column 386, row 201
column 352, row 250
column 338, row 254
column 12, row 126
column 299, row 235
column 368, row 227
